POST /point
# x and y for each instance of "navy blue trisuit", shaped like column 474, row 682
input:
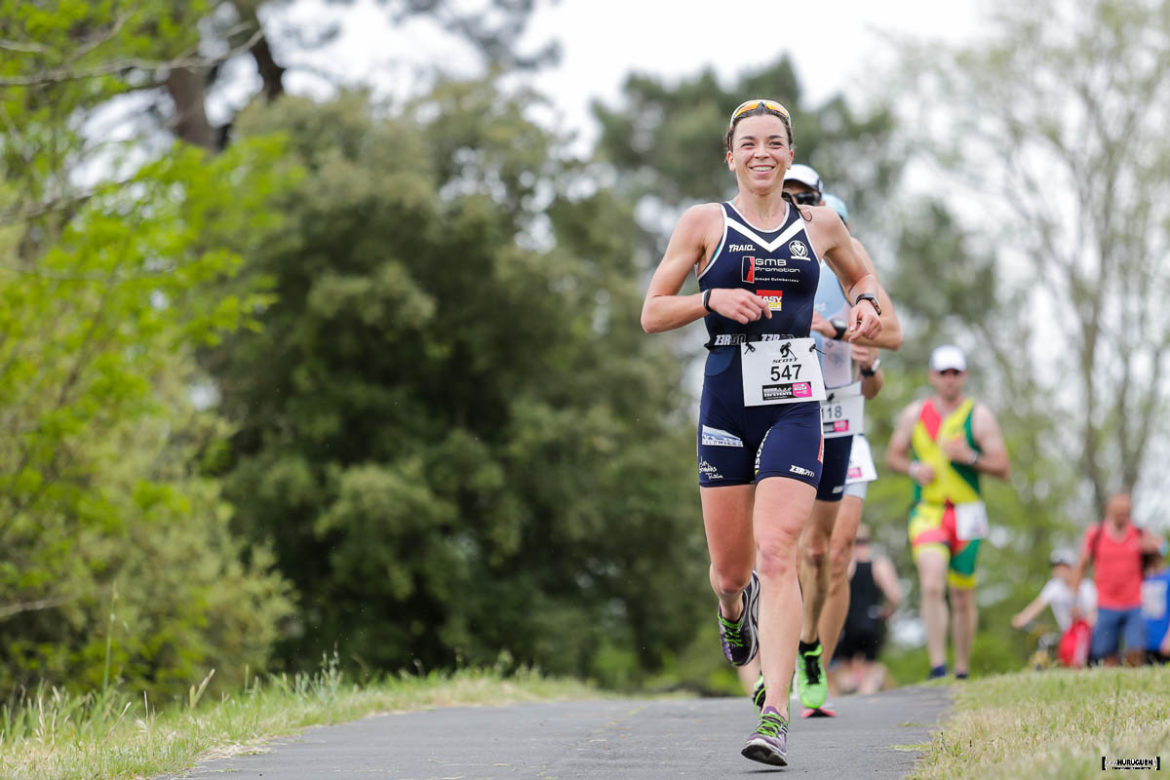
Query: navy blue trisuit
column 739, row 444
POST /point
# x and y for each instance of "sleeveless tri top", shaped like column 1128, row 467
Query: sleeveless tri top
column 778, row 265
column 954, row 483
column 836, row 356
column 865, row 599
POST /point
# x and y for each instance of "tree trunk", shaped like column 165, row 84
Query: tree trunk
column 188, row 90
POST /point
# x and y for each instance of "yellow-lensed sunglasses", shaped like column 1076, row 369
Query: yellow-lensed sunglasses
column 750, row 105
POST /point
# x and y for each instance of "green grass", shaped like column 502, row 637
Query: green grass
column 58, row 735
column 1052, row 724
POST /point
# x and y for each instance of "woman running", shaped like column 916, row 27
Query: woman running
column 759, row 438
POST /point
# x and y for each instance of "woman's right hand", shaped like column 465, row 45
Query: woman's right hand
column 738, row 304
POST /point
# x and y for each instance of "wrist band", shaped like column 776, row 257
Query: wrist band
column 707, row 300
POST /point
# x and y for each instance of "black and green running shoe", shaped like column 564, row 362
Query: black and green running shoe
column 810, row 676
column 758, row 694
column 739, row 639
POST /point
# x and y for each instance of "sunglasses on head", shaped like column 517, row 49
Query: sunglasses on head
column 750, row 105
column 806, row 198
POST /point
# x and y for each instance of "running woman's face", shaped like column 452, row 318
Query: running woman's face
column 760, row 153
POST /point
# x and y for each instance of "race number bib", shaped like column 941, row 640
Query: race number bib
column 781, row 372
column 843, row 412
column 861, row 466
column 970, row 521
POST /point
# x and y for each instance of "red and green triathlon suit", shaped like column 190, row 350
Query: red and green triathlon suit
column 933, row 518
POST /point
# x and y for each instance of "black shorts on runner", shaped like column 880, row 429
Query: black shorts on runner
column 836, row 469
column 739, row 445
column 864, row 643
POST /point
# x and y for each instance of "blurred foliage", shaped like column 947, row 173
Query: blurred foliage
column 118, row 562
column 451, row 428
column 1048, row 267
column 413, row 334
column 1050, row 133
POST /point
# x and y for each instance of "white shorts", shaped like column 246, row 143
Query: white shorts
column 861, row 467
column 856, row 489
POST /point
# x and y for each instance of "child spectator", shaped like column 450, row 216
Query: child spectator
column 1057, row 595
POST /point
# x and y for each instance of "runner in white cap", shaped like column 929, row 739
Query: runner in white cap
column 860, row 473
column 842, row 417
column 945, row 443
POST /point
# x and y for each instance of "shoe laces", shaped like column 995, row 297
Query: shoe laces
column 732, row 633
column 772, row 724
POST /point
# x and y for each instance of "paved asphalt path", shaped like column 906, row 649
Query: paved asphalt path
column 873, row 736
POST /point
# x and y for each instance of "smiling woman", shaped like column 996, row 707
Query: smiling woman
column 759, row 437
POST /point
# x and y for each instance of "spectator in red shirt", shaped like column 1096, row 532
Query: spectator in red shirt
column 1114, row 548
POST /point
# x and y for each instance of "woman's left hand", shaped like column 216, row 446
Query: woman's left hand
column 864, row 321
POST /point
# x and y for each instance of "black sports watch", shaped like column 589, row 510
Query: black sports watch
column 872, row 299
column 873, row 369
column 840, row 327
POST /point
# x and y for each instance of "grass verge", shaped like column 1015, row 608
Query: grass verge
column 1052, row 724
column 61, row 736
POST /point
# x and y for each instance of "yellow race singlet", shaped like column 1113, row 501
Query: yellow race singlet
column 932, row 519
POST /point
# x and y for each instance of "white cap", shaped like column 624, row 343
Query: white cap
column 947, row 356
column 1063, row 557
column 805, row 175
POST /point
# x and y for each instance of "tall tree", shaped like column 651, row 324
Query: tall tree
column 1055, row 133
column 182, row 50
column 109, row 279
column 451, row 426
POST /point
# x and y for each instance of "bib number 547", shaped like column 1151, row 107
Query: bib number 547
column 788, row 373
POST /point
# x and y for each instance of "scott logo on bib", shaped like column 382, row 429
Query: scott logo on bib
column 781, row 372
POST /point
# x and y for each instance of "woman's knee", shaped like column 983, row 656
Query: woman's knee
column 776, row 555
column 729, row 582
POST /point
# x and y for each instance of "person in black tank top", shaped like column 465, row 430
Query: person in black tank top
column 759, row 439
column 874, row 595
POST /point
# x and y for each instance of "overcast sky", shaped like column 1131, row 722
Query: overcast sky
column 835, row 45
